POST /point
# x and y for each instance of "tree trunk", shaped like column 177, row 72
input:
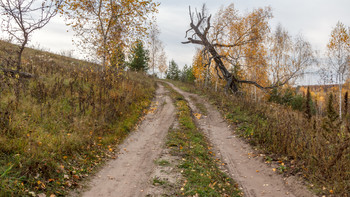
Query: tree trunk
column 20, row 52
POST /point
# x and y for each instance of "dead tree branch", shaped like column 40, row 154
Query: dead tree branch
column 201, row 37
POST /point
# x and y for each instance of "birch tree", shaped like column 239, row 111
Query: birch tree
column 162, row 59
column 155, row 46
column 338, row 53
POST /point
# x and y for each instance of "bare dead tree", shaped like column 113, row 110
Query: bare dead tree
column 21, row 18
column 199, row 34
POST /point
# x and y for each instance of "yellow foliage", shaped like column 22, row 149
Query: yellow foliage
column 105, row 26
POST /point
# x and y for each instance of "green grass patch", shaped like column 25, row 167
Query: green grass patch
column 200, row 169
column 158, row 181
column 162, row 162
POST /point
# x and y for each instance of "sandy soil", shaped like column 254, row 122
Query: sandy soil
column 130, row 173
column 252, row 174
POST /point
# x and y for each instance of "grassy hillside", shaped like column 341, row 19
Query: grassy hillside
column 57, row 127
column 317, row 150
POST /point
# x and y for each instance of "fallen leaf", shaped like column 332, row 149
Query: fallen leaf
column 198, row 116
column 75, row 176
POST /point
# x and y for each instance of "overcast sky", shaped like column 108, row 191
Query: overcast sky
column 312, row 18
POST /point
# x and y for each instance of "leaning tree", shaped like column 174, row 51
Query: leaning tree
column 225, row 43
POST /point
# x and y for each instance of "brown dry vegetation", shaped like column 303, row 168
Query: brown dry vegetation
column 57, row 127
column 318, row 150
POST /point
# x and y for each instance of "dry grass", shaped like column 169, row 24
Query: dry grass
column 57, row 127
column 316, row 149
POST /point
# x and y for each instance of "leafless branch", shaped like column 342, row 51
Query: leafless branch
column 22, row 17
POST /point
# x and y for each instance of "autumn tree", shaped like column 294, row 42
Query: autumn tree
column 246, row 60
column 101, row 25
column 155, row 45
column 162, row 60
column 139, row 57
column 338, row 53
column 236, row 46
column 21, row 18
column 200, row 65
column 225, row 43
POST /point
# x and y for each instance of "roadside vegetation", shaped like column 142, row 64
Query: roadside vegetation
column 316, row 149
column 200, row 169
column 248, row 72
column 59, row 125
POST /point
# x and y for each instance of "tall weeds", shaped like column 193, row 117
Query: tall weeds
column 315, row 148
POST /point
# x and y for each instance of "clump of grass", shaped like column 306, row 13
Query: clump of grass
column 56, row 128
column 158, row 181
column 200, row 169
column 163, row 162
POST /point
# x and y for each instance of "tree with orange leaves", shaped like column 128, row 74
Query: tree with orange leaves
column 236, row 45
column 200, row 62
column 230, row 44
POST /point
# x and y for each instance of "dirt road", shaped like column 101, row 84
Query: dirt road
column 129, row 174
column 253, row 175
